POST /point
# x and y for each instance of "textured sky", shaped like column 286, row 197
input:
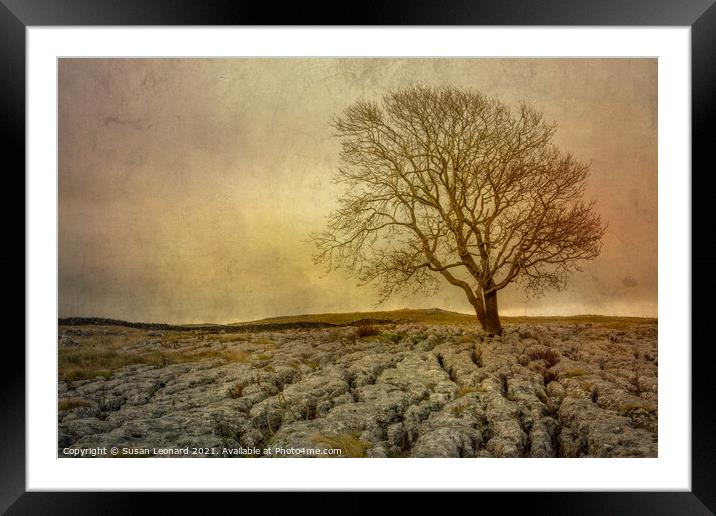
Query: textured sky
column 188, row 187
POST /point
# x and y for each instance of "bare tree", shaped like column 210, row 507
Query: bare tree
column 452, row 183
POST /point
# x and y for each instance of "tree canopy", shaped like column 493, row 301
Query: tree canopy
column 445, row 182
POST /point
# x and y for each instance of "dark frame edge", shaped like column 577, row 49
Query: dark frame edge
column 703, row 133
column 702, row 498
column 12, row 381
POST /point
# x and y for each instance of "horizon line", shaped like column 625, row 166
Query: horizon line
column 314, row 314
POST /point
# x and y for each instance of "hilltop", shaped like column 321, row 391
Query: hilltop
column 402, row 316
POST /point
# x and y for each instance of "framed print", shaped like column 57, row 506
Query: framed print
column 445, row 251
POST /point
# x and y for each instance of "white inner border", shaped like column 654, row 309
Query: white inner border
column 671, row 470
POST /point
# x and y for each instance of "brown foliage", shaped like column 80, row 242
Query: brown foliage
column 366, row 330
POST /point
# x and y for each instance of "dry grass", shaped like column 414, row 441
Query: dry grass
column 549, row 355
column 629, row 407
column 89, row 362
column 394, row 337
column 477, row 356
column 367, row 330
column 233, row 355
column 236, row 390
column 573, row 373
column 71, row 403
column 100, row 356
column 265, row 344
column 458, row 410
column 466, row 390
column 348, row 443
column 108, row 349
column 174, row 338
column 313, row 364
column 229, row 337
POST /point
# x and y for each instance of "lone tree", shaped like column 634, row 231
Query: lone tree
column 452, row 183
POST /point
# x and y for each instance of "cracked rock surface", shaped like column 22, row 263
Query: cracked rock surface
column 554, row 390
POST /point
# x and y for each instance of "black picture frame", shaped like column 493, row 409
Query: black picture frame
column 700, row 15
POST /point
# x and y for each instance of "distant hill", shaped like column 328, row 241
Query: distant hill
column 426, row 316
column 436, row 316
column 405, row 315
column 205, row 328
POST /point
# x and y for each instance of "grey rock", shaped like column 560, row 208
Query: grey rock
column 413, row 391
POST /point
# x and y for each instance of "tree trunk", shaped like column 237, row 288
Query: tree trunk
column 480, row 313
column 492, row 318
column 476, row 302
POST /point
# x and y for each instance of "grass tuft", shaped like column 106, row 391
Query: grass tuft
column 549, row 355
column 89, row 361
column 349, row 443
column 573, row 373
column 466, row 390
column 366, row 330
column 236, row 390
column 630, row 407
column 394, row 337
column 71, row 403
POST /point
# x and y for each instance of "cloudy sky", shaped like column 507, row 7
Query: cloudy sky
column 188, row 188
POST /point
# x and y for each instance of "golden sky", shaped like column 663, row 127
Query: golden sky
column 188, row 187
